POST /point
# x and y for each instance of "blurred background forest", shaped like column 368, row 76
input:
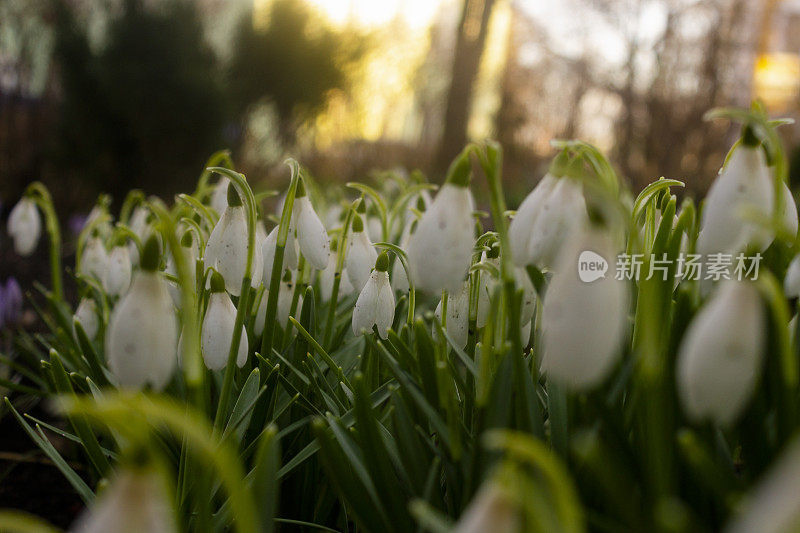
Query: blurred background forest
column 108, row 95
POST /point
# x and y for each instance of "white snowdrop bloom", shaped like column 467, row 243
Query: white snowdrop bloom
column 290, row 253
column 375, row 304
column 143, row 330
column 546, row 219
column 440, row 250
column 118, row 274
column 138, row 223
column 137, row 499
column 226, row 249
column 491, row 510
column 360, row 255
column 285, row 296
column 744, row 183
column 791, row 283
column 374, row 228
column 218, row 324
column 86, row 316
column 457, row 326
column 333, row 217
column 219, row 196
column 789, row 210
column 327, row 277
column 773, row 506
column 311, row 234
column 25, row 226
column 95, row 260
column 719, row 360
column 190, row 250
column 583, row 322
column 528, row 295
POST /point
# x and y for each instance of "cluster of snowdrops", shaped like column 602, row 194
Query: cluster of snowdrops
column 376, row 359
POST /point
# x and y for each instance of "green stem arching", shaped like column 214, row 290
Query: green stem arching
column 337, row 276
column 39, row 193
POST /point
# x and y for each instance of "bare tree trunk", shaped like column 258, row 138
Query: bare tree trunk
column 470, row 42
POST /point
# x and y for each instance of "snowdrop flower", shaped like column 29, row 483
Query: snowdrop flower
column 86, row 316
column 528, row 295
column 311, row 234
column 118, row 274
column 440, row 250
column 789, row 210
column 719, row 359
column 773, row 506
column 333, row 217
column 285, row 297
column 219, row 197
column 143, row 330
column 361, row 255
column 327, row 277
column 226, row 249
column 375, row 304
column 546, row 219
column 218, row 324
column 457, row 325
column 745, row 182
column 492, row 509
column 138, row 223
column 25, row 226
column 791, row 283
column 190, row 250
column 135, row 500
column 95, row 260
column 583, row 322
column 290, row 252
column 374, row 228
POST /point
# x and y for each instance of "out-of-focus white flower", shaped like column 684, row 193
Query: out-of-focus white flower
column 143, row 330
column 360, row 255
column 745, row 183
column 491, row 510
column 118, row 274
column 773, row 506
column 86, row 316
column 226, row 249
column 25, row 226
column 375, row 304
column 583, row 322
column 440, row 250
column 457, row 326
column 528, row 295
column 285, row 296
column 191, row 251
column 136, row 500
column 95, row 260
column 311, row 234
column 327, row 277
column 333, row 217
column 218, row 325
column 789, row 210
column 219, row 197
column 719, row 360
column 290, row 252
column 546, row 219
column 374, row 228
column 138, row 223
column 791, row 283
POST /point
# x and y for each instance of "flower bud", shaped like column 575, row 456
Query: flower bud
column 440, row 250
column 311, row 233
column 361, row 255
column 218, row 326
column 95, row 261
column 86, row 316
column 118, row 274
column 25, row 226
column 143, row 330
column 720, row 356
column 375, row 304
column 583, row 322
column 457, row 325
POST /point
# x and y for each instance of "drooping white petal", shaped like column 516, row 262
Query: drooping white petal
column 583, row 322
column 138, row 224
column 290, row 253
column 226, row 249
column 789, row 210
column 136, row 500
column 719, row 360
column 142, row 334
column 360, row 259
column 791, row 283
column 440, row 250
column 491, row 510
column 311, row 234
column 327, row 277
column 519, row 231
column 374, row 229
column 219, row 197
column 25, row 226
column 745, row 183
column 282, row 312
column 95, row 260
column 457, row 315
column 528, row 295
column 375, row 305
column 86, row 316
column 118, row 275
column 217, row 333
